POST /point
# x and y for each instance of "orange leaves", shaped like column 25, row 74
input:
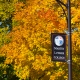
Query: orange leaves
column 48, row 15
column 19, row 6
column 30, row 46
column 52, row 17
column 41, row 13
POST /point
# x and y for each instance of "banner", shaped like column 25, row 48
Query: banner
column 58, row 46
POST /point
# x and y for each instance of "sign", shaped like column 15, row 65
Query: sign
column 58, row 46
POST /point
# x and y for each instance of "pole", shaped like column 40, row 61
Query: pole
column 69, row 43
column 69, row 37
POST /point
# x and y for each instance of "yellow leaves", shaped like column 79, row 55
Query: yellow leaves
column 65, row 77
column 57, row 74
column 75, row 19
column 30, row 58
column 62, row 25
column 30, row 47
column 20, row 57
column 25, row 55
column 57, row 64
column 75, row 59
column 75, row 15
column 3, row 65
column 42, row 62
column 48, row 73
column 22, row 72
column 52, row 77
column 39, row 4
column 75, row 42
column 73, row 10
column 8, row 60
column 49, row 27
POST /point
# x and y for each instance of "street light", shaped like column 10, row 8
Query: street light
column 68, row 6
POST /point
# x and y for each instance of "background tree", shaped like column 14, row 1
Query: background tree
column 29, row 50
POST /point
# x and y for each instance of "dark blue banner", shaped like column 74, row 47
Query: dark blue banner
column 58, row 46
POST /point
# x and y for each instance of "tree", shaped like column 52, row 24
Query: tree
column 30, row 48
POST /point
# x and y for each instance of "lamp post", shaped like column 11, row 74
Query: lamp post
column 68, row 6
column 69, row 43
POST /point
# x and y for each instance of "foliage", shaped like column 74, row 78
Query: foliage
column 29, row 51
column 3, row 38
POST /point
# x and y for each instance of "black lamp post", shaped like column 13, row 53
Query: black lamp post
column 69, row 43
column 68, row 6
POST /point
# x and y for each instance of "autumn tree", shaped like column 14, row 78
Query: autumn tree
column 6, row 12
column 29, row 50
